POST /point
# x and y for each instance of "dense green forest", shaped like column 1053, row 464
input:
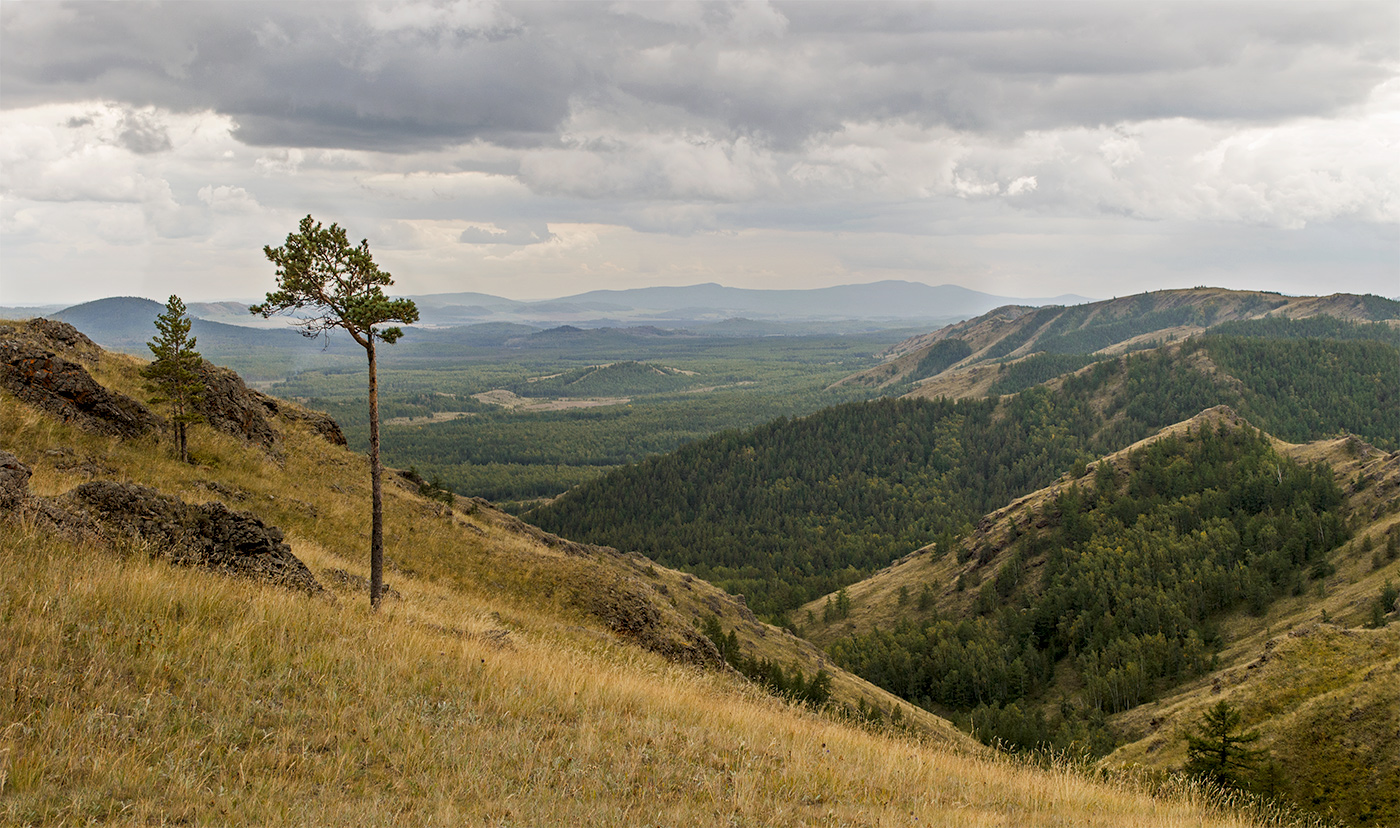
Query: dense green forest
column 1015, row 377
column 941, row 356
column 1132, row 572
column 796, row 508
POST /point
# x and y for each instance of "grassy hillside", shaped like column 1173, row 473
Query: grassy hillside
column 497, row 688
column 1106, row 328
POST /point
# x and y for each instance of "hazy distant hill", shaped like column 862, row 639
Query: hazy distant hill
column 1113, row 326
column 888, row 301
column 127, row 323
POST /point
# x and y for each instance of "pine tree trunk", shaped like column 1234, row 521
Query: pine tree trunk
column 376, row 536
column 180, row 436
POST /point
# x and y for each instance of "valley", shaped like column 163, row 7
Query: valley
column 1076, row 555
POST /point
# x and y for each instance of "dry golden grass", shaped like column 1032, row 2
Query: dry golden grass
column 134, row 692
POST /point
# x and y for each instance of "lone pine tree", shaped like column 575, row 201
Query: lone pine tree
column 173, row 375
column 319, row 269
column 1219, row 750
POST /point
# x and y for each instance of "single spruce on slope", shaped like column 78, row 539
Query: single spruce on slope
column 1219, row 750
column 318, row 269
column 174, row 375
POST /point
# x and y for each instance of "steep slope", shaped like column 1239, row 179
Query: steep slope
column 1314, row 675
column 658, row 608
column 1108, row 327
column 1128, row 643
column 1370, row 480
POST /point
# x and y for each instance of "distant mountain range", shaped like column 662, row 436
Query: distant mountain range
column 229, row 335
column 734, row 310
column 889, row 301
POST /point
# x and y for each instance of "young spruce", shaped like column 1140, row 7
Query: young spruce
column 174, row 373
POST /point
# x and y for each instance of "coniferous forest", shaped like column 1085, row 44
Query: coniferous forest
column 1123, row 584
column 797, row 508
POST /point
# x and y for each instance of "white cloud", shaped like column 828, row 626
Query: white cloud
column 515, row 234
column 1024, row 184
column 681, row 166
column 280, row 162
column 226, row 199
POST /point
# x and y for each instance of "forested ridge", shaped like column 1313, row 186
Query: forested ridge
column 1121, row 583
column 1129, row 322
column 796, row 508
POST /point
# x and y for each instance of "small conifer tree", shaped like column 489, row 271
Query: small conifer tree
column 1219, row 750
column 173, row 376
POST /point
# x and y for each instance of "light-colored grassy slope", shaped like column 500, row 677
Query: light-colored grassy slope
column 319, row 495
column 135, row 692
column 1325, row 701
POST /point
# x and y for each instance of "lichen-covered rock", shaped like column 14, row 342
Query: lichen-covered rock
column 42, row 378
column 14, row 481
column 231, row 407
column 60, row 336
column 208, row 534
column 320, row 422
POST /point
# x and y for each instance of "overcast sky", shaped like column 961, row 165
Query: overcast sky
column 533, row 150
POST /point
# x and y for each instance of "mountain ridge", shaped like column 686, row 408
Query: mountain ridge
column 1106, row 327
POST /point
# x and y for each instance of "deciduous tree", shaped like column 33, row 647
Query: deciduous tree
column 319, row 270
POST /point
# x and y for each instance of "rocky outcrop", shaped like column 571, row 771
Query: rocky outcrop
column 628, row 608
column 207, row 534
column 319, row 422
column 112, row 514
column 39, row 376
column 14, row 481
column 232, row 408
column 60, row 336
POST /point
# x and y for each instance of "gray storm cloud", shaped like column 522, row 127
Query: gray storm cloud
column 412, row 75
column 766, row 141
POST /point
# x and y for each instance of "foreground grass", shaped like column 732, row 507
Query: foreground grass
column 137, row 692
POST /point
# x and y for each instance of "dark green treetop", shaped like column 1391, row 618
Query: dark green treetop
column 318, row 268
column 1219, row 750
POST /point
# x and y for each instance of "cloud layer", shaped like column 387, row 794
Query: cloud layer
column 536, row 149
